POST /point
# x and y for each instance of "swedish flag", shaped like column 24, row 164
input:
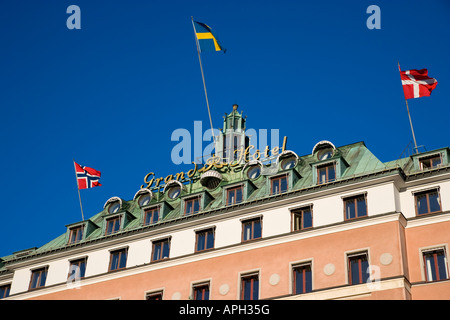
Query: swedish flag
column 206, row 39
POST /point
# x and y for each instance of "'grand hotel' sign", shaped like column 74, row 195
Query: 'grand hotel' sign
column 242, row 156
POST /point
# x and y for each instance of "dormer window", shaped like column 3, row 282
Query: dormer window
column 151, row 216
column 235, row 195
column 114, row 207
column 430, row 162
column 288, row 163
column 76, row 234
column 173, row 189
column 254, row 172
column 279, row 184
column 326, row 173
column 112, row 225
column 325, row 154
column 192, row 205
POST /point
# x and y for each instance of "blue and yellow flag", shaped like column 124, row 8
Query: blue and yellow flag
column 206, row 39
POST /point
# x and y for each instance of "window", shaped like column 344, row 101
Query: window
column 278, row 184
column 77, row 269
column 191, row 205
column 250, row 287
column 118, row 260
column 326, row 173
column 430, row 162
column 204, row 240
column 251, row 229
column 161, row 249
column 234, row 195
column 325, row 154
column 144, row 199
column 174, row 192
column 427, row 202
column 435, row 263
column 288, row 163
column 4, row 291
column 201, row 291
column 75, row 234
column 112, row 225
column 38, row 278
column 154, row 295
column 114, row 207
column 254, row 172
column 358, row 265
column 302, row 279
column 355, row 207
column 151, row 216
column 301, row 218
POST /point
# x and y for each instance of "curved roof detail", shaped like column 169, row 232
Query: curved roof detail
column 323, row 144
column 171, row 183
column 143, row 191
column 112, row 199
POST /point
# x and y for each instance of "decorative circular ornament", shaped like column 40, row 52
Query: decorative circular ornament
column 329, row 269
column 386, row 259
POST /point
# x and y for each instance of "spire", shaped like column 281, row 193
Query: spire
column 234, row 121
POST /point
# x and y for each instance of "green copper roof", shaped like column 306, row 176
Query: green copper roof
column 355, row 160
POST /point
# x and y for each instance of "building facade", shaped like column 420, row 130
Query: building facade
column 334, row 224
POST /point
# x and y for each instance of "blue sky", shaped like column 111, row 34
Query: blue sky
column 111, row 94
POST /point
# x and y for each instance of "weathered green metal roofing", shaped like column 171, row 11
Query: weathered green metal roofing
column 359, row 161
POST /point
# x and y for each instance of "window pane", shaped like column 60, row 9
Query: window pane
column 82, row 267
column 116, row 225
column 297, row 221
column 430, row 267
column 123, row 259
column 361, row 206
column 196, row 205
column 255, row 288
column 188, row 207
column 165, row 253
column 354, row 270
column 307, row 219
column 34, row 279
column 321, row 173
column 247, row 230
column 43, row 277
column 114, row 261
column 210, row 240
column 283, row 186
column 434, row 202
column 435, row 162
column 247, row 289
column 421, row 202
column 157, row 251
column 275, row 186
column 201, row 241
column 257, row 229
column 442, row 265
column 350, row 209
column 298, row 280
column 231, row 197
column 364, row 269
column 331, row 173
column 239, row 195
column 79, row 234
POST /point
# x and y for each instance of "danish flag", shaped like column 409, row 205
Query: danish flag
column 417, row 83
column 87, row 177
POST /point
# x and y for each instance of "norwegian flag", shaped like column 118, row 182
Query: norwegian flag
column 87, row 177
column 417, row 83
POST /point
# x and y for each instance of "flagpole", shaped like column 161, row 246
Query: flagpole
column 78, row 188
column 204, row 84
column 409, row 115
